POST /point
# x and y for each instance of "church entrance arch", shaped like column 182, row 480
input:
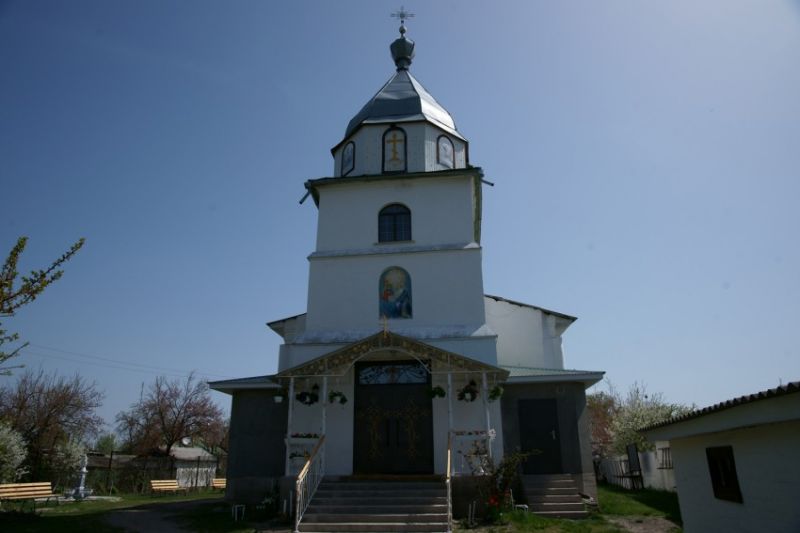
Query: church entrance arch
column 393, row 426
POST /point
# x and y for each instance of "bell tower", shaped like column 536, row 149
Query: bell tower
column 398, row 233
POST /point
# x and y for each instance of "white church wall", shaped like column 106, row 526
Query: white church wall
column 480, row 348
column 291, row 355
column 441, row 212
column 421, row 141
column 467, row 416
column 339, row 422
column 446, row 292
column 526, row 336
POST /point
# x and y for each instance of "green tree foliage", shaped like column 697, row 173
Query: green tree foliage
column 616, row 420
column 602, row 407
column 13, row 296
column 12, row 454
column 106, row 443
column 50, row 411
column 168, row 412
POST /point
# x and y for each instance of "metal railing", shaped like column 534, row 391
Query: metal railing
column 308, row 480
column 448, row 483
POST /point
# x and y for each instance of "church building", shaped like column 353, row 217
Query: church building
column 403, row 368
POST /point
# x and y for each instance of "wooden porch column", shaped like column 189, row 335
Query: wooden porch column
column 289, row 424
column 324, row 403
column 449, row 402
column 485, row 395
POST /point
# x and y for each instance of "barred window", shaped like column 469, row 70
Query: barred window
column 394, row 223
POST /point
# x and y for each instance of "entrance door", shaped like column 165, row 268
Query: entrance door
column 393, row 426
column 539, row 435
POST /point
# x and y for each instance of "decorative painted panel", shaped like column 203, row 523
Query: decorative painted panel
column 394, row 150
column 444, row 152
column 392, row 373
column 395, row 293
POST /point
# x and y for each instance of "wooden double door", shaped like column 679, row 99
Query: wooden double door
column 393, row 426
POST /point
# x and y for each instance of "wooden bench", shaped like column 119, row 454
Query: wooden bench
column 24, row 492
column 219, row 483
column 166, row 485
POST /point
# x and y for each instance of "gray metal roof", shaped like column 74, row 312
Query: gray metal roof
column 255, row 382
column 542, row 309
column 527, row 374
column 790, row 388
column 403, row 99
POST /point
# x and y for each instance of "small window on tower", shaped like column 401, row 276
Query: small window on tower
column 394, row 150
column 348, row 158
column 444, row 152
column 394, row 223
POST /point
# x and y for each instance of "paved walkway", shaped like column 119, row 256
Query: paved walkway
column 152, row 517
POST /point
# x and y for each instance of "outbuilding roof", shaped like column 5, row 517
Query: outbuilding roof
column 789, row 388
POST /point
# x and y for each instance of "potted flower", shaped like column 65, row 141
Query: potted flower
column 278, row 398
column 336, row 396
column 437, row 392
column 496, row 393
column 308, row 397
column 469, row 393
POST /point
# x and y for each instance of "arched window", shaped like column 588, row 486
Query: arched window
column 445, row 154
column 394, row 150
column 395, row 293
column 394, row 223
column 348, row 158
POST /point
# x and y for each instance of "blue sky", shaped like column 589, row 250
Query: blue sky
column 646, row 157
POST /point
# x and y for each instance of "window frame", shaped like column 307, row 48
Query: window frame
column 395, row 225
column 722, row 471
column 342, row 171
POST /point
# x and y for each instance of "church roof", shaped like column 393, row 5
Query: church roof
column 403, row 99
column 542, row 309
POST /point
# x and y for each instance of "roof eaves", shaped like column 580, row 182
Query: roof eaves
column 542, row 309
column 251, row 383
column 789, row 388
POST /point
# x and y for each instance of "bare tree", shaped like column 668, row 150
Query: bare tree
column 31, row 286
column 168, row 412
column 50, row 411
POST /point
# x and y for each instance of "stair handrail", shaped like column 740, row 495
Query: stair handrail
column 308, row 480
column 448, row 483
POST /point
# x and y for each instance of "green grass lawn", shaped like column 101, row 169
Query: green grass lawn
column 616, row 501
column 84, row 516
column 613, row 502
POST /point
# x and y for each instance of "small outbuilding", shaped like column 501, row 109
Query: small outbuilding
column 194, row 467
column 736, row 463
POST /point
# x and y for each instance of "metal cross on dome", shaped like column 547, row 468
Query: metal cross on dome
column 402, row 15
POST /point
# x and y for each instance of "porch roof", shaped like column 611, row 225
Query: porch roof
column 526, row 374
column 256, row 382
column 338, row 362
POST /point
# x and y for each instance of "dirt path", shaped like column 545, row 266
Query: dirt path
column 643, row 524
column 152, row 517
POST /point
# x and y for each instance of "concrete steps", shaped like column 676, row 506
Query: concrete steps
column 553, row 495
column 356, row 505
